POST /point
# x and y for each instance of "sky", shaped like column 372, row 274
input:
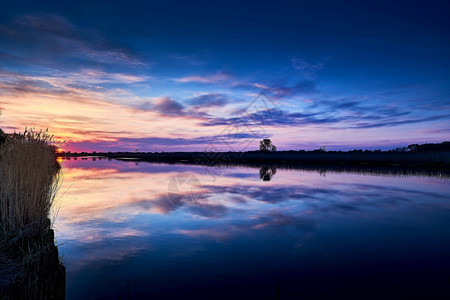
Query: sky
column 221, row 75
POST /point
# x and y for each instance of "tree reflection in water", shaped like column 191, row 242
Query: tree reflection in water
column 266, row 173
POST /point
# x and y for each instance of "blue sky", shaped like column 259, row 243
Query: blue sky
column 173, row 75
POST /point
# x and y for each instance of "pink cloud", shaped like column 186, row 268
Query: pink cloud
column 219, row 77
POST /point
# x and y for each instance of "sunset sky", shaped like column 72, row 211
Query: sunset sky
column 220, row 75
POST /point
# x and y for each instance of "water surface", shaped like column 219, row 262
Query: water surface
column 159, row 231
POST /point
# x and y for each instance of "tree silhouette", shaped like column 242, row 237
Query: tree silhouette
column 267, row 146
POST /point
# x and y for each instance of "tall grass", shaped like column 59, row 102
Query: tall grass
column 29, row 176
column 28, row 184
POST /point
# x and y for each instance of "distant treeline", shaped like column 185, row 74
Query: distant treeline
column 442, row 147
column 438, row 147
column 434, row 156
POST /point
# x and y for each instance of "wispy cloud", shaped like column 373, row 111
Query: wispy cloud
column 193, row 60
column 218, row 77
column 50, row 39
column 76, row 107
column 85, row 85
column 302, row 87
column 96, row 76
column 165, row 106
column 306, row 70
column 391, row 123
column 208, row 100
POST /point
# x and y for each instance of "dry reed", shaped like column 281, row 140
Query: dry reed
column 28, row 184
column 29, row 177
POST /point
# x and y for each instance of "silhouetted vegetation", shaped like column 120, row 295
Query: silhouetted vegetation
column 3, row 137
column 429, row 160
column 29, row 262
column 442, row 147
column 266, row 146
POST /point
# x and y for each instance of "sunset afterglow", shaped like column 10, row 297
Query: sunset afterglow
column 224, row 149
column 148, row 82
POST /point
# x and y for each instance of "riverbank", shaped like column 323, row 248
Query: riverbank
column 421, row 160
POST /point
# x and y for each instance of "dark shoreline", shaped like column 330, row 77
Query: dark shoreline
column 38, row 276
column 427, row 160
column 436, row 164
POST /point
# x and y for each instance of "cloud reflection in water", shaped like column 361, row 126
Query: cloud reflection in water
column 115, row 211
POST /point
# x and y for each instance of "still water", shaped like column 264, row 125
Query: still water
column 158, row 231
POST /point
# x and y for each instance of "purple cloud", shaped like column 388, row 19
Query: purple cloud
column 165, row 106
column 213, row 99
